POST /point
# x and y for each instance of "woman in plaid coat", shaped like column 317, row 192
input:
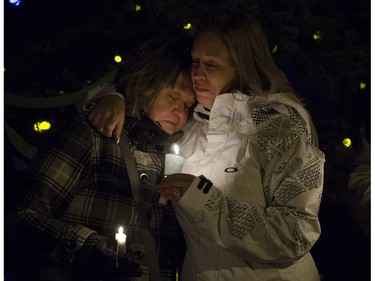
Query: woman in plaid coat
column 78, row 191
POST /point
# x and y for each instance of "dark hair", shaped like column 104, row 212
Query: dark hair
column 156, row 64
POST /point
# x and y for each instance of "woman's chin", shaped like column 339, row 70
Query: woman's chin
column 169, row 129
column 205, row 100
column 206, row 103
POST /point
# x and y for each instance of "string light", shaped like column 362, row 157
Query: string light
column 317, row 35
column 118, row 59
column 274, row 50
column 362, row 85
column 42, row 126
column 347, row 142
column 187, row 26
column 15, row 2
column 137, row 7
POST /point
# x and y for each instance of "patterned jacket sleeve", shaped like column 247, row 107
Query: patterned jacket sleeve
column 53, row 178
column 287, row 226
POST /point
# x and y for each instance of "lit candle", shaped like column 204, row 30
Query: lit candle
column 173, row 164
column 121, row 241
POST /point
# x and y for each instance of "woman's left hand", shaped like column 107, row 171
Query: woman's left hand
column 108, row 116
column 173, row 187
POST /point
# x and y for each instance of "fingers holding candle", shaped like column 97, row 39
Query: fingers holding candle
column 173, row 164
column 173, row 187
column 178, row 194
column 170, row 194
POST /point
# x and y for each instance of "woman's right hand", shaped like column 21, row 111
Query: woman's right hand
column 108, row 116
column 173, row 187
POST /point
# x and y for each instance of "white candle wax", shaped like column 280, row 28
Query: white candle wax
column 173, row 164
column 121, row 241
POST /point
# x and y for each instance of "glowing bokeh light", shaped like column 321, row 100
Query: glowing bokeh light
column 118, row 59
column 274, row 50
column 15, row 2
column 137, row 7
column 317, row 35
column 187, row 26
column 347, row 142
column 362, row 85
column 42, row 126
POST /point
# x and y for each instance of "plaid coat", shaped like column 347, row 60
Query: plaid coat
column 77, row 185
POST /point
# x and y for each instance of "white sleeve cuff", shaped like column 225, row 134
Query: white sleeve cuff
column 196, row 197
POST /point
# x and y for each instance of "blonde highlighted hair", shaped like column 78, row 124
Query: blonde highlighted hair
column 247, row 45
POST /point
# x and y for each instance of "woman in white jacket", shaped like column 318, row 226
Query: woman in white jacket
column 250, row 191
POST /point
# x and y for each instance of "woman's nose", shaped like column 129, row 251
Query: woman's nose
column 198, row 72
column 179, row 109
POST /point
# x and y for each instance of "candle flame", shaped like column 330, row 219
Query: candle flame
column 120, row 236
column 120, row 229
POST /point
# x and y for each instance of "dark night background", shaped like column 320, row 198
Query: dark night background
column 60, row 48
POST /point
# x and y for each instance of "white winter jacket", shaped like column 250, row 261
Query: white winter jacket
column 259, row 220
